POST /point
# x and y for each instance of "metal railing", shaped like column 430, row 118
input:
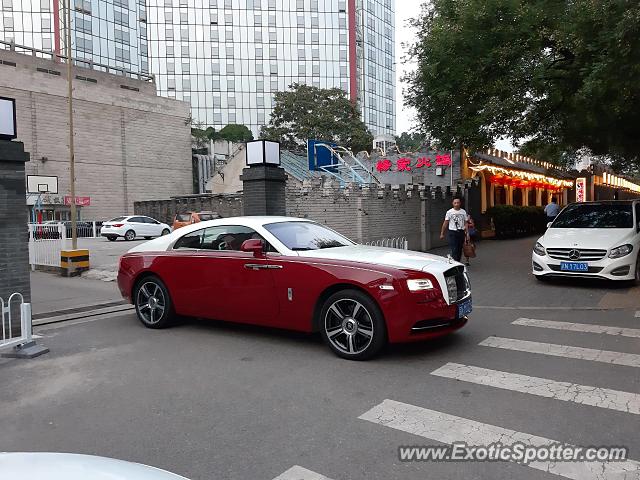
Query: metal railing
column 9, row 337
column 79, row 62
column 46, row 241
column 392, row 242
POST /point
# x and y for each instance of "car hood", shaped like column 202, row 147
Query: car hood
column 69, row 466
column 600, row 238
column 391, row 257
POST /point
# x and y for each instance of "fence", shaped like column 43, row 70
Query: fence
column 10, row 337
column 46, row 241
column 391, row 242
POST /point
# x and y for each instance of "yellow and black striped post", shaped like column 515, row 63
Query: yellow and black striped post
column 74, row 262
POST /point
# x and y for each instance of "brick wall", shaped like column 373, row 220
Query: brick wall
column 14, row 247
column 363, row 214
column 129, row 145
column 165, row 210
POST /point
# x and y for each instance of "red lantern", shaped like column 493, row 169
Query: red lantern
column 497, row 179
column 516, row 182
column 525, row 184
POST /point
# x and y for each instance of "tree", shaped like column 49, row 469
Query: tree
column 553, row 76
column 235, row 133
column 306, row 112
column 410, row 142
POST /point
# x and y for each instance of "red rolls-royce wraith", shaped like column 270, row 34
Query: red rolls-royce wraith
column 296, row 274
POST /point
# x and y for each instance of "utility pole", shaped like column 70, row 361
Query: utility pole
column 72, row 167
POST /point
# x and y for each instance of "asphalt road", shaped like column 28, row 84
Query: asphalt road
column 218, row 401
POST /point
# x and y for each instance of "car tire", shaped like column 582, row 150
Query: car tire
column 153, row 303
column 352, row 325
column 165, row 232
column 636, row 281
column 130, row 235
column 112, row 238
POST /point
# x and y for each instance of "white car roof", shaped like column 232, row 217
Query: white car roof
column 71, row 466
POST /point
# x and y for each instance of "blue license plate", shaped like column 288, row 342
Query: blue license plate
column 574, row 266
column 464, row 308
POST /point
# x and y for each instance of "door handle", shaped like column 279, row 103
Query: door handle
column 261, row 266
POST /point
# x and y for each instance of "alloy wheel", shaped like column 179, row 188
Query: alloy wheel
column 349, row 326
column 151, row 302
column 130, row 235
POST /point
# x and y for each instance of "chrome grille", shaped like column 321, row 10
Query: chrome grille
column 458, row 286
column 585, row 254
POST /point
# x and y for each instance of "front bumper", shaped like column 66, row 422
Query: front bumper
column 416, row 321
column 606, row 268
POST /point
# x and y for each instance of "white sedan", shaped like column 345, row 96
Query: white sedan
column 591, row 239
column 134, row 226
column 70, row 466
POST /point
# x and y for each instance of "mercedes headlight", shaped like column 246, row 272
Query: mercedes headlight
column 539, row 249
column 621, row 251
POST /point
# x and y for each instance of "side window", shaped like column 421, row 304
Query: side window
column 150, row 220
column 136, row 220
column 190, row 240
column 230, row 238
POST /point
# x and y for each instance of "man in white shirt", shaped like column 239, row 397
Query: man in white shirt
column 552, row 210
column 455, row 222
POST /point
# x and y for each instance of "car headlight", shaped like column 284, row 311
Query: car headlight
column 419, row 284
column 539, row 249
column 621, row 251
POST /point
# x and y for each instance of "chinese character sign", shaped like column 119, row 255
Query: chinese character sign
column 409, row 164
column 581, row 189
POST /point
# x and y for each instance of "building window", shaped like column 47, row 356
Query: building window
column 231, row 101
column 171, row 84
column 260, row 101
column 168, row 33
column 273, row 68
column 215, row 51
column 301, row 69
column 121, row 18
column 83, row 6
column 121, row 36
column 215, row 85
column 315, row 53
column 231, row 85
column 85, row 45
column 314, row 21
column 258, row 52
column 215, row 68
column 184, row 50
column 230, row 69
column 186, row 67
column 171, row 67
column 186, row 86
column 301, row 37
column 316, row 69
column 315, row 38
column 272, row 20
column 169, row 50
column 184, row 34
column 299, row 4
column 259, row 86
column 228, row 18
column 121, row 3
column 273, row 36
column 44, row 5
column 184, row 17
column 229, row 50
column 122, row 55
column 46, row 25
column 257, row 35
column 273, row 52
column 259, row 69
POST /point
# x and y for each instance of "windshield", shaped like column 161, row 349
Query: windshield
column 207, row 216
column 595, row 215
column 183, row 217
column 306, row 236
column 117, row 219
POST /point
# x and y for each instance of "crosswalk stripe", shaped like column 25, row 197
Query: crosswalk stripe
column 445, row 428
column 604, row 356
column 578, row 327
column 543, row 387
column 300, row 473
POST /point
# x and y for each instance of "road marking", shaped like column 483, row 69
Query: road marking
column 638, row 314
column 543, row 387
column 445, row 428
column 554, row 350
column 578, row 327
column 300, row 473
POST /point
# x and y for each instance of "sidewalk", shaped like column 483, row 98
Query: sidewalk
column 51, row 293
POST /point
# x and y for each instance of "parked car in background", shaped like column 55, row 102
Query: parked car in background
column 133, row 226
column 184, row 219
column 296, row 274
column 71, row 466
column 591, row 239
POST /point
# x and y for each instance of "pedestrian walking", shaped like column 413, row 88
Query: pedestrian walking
column 552, row 210
column 469, row 248
column 455, row 225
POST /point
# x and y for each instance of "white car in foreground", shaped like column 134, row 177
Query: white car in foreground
column 134, row 226
column 70, row 466
column 591, row 239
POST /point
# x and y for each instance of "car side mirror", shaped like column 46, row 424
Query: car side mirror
column 253, row 245
column 549, row 224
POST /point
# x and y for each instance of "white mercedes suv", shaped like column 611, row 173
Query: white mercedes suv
column 591, row 239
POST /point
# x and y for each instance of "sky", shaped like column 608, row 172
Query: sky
column 405, row 117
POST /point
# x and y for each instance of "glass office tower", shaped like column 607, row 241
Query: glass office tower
column 228, row 57
column 111, row 33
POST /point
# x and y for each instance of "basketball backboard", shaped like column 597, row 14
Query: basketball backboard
column 42, row 184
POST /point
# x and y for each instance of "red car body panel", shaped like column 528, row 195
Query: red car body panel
column 222, row 285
